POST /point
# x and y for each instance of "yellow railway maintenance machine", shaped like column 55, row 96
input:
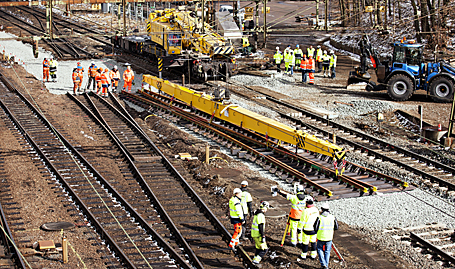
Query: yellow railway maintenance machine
column 250, row 120
column 181, row 40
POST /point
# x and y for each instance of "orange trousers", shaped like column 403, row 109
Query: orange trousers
column 127, row 84
column 237, row 233
column 45, row 74
column 77, row 86
column 311, row 76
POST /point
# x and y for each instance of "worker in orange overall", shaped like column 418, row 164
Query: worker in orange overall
column 128, row 77
column 304, row 68
column 237, row 217
column 92, row 70
column 105, row 82
column 77, row 81
column 114, row 76
column 310, row 68
column 98, row 80
column 46, row 66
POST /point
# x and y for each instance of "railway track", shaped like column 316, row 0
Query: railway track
column 441, row 176
column 435, row 241
column 127, row 234
column 201, row 234
column 281, row 160
column 63, row 48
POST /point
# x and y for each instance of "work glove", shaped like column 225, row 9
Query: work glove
column 133, row 83
column 243, row 222
column 275, row 189
column 263, row 239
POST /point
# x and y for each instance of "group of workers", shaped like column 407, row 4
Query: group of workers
column 306, row 62
column 307, row 226
column 100, row 78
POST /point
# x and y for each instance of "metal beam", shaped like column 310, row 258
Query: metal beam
column 64, row 2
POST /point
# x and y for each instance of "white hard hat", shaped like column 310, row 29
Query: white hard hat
column 325, row 52
column 325, row 206
column 308, row 199
column 52, row 57
column 115, row 67
column 92, row 63
column 319, row 46
column 127, row 64
column 331, row 52
column 277, row 48
column 244, row 183
column 264, row 204
column 237, row 190
column 300, row 188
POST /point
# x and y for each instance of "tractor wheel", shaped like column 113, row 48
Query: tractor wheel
column 400, row 87
column 441, row 90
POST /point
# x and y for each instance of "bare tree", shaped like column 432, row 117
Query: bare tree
column 416, row 20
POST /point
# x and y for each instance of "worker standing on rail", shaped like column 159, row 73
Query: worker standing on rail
column 325, row 64
column 76, row 81
column 298, row 57
column 310, row 51
column 324, row 225
column 128, row 77
column 53, row 69
column 291, row 62
column 304, row 68
column 309, row 216
column 319, row 58
column 247, row 204
column 297, row 207
column 114, row 76
column 45, row 70
column 98, row 80
column 310, row 68
column 257, row 232
column 278, row 58
column 333, row 64
column 105, row 81
column 236, row 214
column 92, row 70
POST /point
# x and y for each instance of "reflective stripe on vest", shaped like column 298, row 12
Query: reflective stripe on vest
column 325, row 232
column 333, row 60
column 258, row 219
column 310, row 215
column 246, row 197
column 297, row 207
column 233, row 203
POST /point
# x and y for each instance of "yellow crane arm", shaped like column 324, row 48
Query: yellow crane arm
column 246, row 119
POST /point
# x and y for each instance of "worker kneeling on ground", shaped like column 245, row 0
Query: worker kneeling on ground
column 236, row 214
column 309, row 216
column 325, row 225
column 297, row 207
column 257, row 232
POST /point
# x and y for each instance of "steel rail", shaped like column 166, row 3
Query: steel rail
column 129, row 208
column 98, row 118
column 8, row 239
column 198, row 200
column 362, row 186
column 432, row 247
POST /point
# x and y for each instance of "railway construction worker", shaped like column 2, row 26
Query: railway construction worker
column 105, row 81
column 247, row 204
column 298, row 57
column 92, row 70
column 310, row 68
column 291, row 62
column 257, row 232
column 98, row 80
column 45, row 70
column 278, row 58
column 114, row 76
column 325, row 63
column 236, row 214
column 128, row 77
column 309, row 216
column 319, row 58
column 333, row 64
column 324, row 225
column 297, row 207
column 304, row 68
column 77, row 81
column 53, row 69
column 245, row 44
column 310, row 51
column 287, row 61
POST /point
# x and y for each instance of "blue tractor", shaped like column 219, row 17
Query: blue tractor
column 405, row 72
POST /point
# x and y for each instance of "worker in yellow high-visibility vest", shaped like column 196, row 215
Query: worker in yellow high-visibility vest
column 319, row 58
column 324, row 225
column 257, row 232
column 278, row 57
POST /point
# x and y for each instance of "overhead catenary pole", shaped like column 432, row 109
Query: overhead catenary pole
column 317, row 14
column 124, row 17
column 326, row 12
column 49, row 19
column 203, row 15
column 265, row 23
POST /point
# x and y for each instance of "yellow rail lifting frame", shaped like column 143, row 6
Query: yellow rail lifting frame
column 247, row 119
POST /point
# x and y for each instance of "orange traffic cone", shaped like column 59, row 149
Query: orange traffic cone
column 439, row 127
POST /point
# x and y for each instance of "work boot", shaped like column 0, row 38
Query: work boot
column 303, row 256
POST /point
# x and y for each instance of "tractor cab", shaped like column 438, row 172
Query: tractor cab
column 408, row 56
